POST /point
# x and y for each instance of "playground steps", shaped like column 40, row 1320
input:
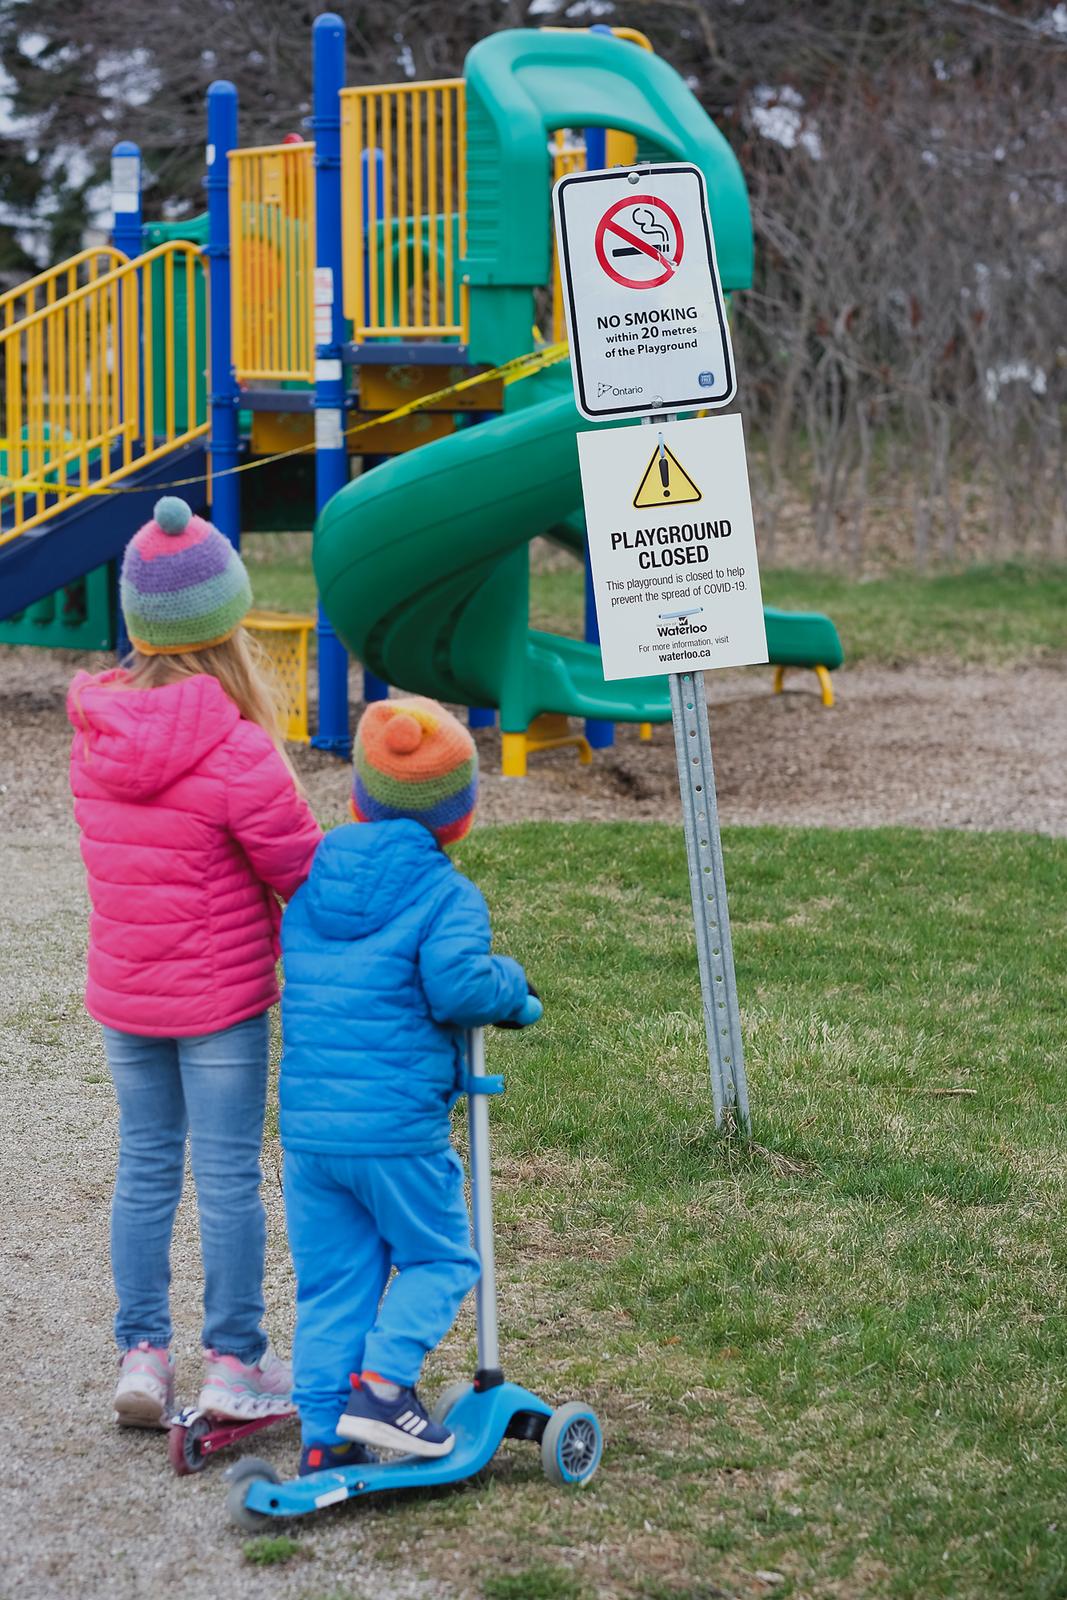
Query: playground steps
column 91, row 531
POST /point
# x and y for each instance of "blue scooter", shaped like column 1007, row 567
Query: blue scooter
column 481, row 1414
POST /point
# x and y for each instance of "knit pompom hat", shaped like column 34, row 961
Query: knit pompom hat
column 413, row 759
column 184, row 587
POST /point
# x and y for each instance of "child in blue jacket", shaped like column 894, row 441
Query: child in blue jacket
column 387, row 961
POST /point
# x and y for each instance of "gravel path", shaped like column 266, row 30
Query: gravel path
column 88, row 1512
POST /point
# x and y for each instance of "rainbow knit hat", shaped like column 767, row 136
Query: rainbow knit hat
column 184, row 587
column 413, row 759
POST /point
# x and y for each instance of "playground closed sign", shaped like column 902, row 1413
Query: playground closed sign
column 672, row 547
column 645, row 309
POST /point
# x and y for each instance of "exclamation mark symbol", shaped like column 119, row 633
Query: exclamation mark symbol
column 664, row 469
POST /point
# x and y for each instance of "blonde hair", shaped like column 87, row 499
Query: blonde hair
column 241, row 668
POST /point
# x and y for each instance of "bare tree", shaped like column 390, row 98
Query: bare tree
column 902, row 351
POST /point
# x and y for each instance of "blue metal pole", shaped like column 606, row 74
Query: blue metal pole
column 481, row 717
column 126, row 235
column 331, row 453
column 374, row 688
column 596, row 144
column 126, row 198
column 224, row 442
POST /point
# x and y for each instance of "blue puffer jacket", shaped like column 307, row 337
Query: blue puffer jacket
column 387, row 960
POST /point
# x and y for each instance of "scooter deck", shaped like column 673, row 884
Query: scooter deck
column 480, row 1423
column 195, row 1436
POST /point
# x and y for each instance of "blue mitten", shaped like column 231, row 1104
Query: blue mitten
column 531, row 1011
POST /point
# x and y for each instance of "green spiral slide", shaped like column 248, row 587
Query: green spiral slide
column 422, row 563
column 423, row 569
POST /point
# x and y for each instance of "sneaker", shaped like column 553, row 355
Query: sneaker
column 321, row 1457
column 241, row 1393
column 144, row 1397
column 400, row 1423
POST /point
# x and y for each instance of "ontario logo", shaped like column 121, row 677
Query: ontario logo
column 616, row 391
column 680, row 624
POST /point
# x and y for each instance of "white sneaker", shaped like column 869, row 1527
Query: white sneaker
column 241, row 1392
column 144, row 1397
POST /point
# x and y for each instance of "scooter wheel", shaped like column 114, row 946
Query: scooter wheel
column 572, row 1444
column 450, row 1394
column 240, row 1478
column 185, row 1446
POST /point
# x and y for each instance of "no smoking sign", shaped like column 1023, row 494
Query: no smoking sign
column 645, row 308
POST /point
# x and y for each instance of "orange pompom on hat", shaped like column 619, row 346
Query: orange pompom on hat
column 413, row 759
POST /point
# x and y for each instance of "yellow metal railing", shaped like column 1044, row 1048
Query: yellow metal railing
column 272, row 257
column 101, row 382
column 632, row 35
column 568, row 155
column 402, row 264
column 48, row 287
column 635, row 36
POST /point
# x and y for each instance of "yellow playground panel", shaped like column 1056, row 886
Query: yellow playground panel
column 403, row 160
column 87, row 399
column 272, row 238
column 407, row 213
column 283, row 637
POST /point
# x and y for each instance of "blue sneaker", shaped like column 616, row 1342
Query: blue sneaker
column 400, row 1423
column 321, row 1457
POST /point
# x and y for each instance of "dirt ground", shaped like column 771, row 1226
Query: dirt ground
column 927, row 747
column 87, row 1513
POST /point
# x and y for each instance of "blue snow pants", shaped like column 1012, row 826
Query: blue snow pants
column 351, row 1219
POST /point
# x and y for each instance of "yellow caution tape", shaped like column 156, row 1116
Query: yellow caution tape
column 509, row 371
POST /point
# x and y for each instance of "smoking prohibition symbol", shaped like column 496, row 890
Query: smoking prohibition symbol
column 651, row 235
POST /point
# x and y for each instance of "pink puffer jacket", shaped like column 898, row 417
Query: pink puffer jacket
column 191, row 826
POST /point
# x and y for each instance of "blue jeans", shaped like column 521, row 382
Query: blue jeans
column 351, row 1219
column 213, row 1087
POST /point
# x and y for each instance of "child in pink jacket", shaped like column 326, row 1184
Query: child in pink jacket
column 192, row 826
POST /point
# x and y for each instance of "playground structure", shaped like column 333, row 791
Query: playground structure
column 344, row 297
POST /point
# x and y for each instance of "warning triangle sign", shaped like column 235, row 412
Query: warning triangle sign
column 666, row 482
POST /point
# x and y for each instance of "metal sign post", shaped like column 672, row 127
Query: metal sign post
column 670, row 537
column 707, row 889
column 707, row 886
column 674, row 565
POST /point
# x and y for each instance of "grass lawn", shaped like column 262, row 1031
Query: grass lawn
column 836, row 1358
column 990, row 616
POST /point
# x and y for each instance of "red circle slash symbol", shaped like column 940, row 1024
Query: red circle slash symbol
column 646, row 238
